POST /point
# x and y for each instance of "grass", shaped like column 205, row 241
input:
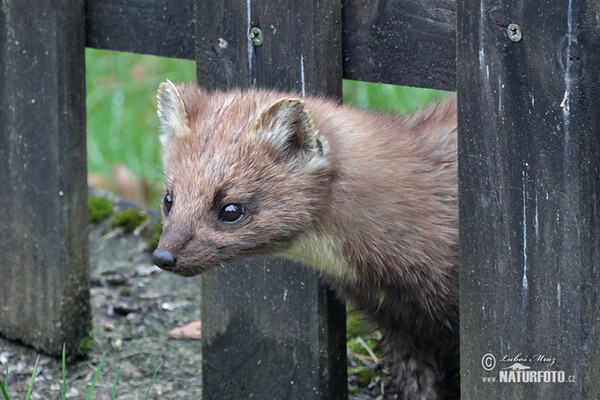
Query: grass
column 2, row 388
column 32, row 378
column 96, row 375
column 29, row 390
column 390, row 98
column 122, row 126
column 63, row 386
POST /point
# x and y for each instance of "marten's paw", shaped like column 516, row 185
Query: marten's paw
column 423, row 372
column 416, row 380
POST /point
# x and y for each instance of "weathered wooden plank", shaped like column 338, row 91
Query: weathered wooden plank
column 269, row 329
column 268, row 332
column 160, row 27
column 407, row 42
column 529, row 157
column 300, row 49
column 403, row 42
column 44, row 275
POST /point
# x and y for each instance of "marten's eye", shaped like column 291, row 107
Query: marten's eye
column 231, row 212
column 167, row 203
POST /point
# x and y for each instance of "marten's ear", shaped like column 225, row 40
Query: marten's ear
column 171, row 112
column 288, row 126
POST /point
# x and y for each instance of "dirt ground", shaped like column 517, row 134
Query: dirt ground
column 134, row 306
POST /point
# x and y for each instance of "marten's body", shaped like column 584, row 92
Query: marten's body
column 369, row 200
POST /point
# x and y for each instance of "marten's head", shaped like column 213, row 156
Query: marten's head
column 244, row 175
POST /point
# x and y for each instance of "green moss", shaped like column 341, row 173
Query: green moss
column 128, row 219
column 154, row 235
column 99, row 208
column 86, row 344
column 356, row 324
column 363, row 375
column 356, row 347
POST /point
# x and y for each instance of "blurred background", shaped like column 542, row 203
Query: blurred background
column 122, row 126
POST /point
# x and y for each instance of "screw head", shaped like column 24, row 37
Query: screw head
column 256, row 36
column 514, row 32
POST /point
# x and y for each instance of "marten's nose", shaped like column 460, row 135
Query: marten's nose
column 164, row 259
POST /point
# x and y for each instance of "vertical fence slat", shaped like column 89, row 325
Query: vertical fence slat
column 529, row 123
column 44, row 276
column 269, row 329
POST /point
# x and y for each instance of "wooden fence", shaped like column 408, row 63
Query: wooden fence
column 529, row 185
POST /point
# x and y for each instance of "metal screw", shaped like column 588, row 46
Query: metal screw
column 256, row 36
column 514, row 32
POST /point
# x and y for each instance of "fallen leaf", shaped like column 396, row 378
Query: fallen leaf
column 124, row 181
column 191, row 331
column 96, row 180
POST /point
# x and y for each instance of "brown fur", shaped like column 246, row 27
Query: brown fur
column 382, row 188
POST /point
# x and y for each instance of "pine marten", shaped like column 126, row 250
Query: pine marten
column 367, row 199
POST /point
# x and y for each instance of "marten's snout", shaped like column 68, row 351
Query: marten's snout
column 164, row 259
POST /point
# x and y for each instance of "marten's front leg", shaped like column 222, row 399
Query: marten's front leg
column 418, row 374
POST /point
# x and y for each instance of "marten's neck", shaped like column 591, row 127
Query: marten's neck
column 324, row 253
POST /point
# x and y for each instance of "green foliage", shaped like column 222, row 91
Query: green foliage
column 152, row 381
column 363, row 374
column 357, row 345
column 98, row 208
column 32, row 378
column 63, row 385
column 362, row 341
column 2, row 388
column 122, row 125
column 360, row 333
column 395, row 99
column 114, row 389
column 91, row 392
column 355, row 324
column 128, row 219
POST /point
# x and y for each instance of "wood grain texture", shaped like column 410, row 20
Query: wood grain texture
column 44, row 276
column 270, row 330
column 529, row 157
column 159, row 27
column 300, row 50
column 402, row 42
column 267, row 333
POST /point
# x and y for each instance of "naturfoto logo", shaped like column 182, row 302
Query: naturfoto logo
column 522, row 368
